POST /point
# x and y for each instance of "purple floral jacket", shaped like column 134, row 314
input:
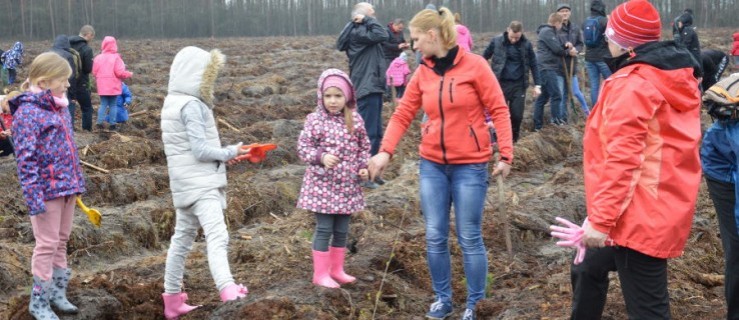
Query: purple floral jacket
column 335, row 190
column 48, row 163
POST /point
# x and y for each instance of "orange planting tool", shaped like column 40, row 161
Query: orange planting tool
column 257, row 152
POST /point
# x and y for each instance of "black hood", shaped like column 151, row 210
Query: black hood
column 76, row 39
column 663, row 55
column 687, row 19
column 62, row 42
column 597, row 8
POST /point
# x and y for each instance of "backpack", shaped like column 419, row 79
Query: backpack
column 77, row 64
column 593, row 32
column 722, row 99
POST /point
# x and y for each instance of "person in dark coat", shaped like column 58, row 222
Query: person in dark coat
column 513, row 57
column 362, row 40
column 396, row 43
column 549, row 53
column 570, row 36
column 688, row 37
column 80, row 89
column 714, row 63
column 595, row 55
column 61, row 47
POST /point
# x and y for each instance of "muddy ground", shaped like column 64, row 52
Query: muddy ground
column 264, row 93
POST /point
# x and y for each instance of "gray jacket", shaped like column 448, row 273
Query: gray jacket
column 362, row 44
column 549, row 50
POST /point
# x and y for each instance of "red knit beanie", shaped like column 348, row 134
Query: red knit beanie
column 634, row 23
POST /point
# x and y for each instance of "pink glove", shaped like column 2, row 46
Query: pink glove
column 570, row 236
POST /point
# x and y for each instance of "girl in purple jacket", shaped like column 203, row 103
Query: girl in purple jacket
column 50, row 175
column 336, row 148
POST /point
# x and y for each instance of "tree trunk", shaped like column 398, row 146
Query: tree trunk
column 23, row 17
column 51, row 17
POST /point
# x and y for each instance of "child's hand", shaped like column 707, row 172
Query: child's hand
column 5, row 134
column 364, row 174
column 329, row 160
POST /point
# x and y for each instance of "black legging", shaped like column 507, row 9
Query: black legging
column 328, row 225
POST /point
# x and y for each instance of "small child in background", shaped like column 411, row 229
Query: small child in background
column 196, row 163
column 12, row 59
column 109, row 71
column 50, row 175
column 735, row 50
column 121, row 106
column 397, row 74
column 335, row 145
column 6, row 140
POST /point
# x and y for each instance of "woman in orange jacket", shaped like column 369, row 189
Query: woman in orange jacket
column 455, row 88
column 641, row 167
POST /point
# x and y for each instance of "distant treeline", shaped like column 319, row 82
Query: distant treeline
column 42, row 19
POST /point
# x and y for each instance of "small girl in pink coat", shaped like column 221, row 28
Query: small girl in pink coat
column 464, row 37
column 336, row 148
column 109, row 71
column 397, row 74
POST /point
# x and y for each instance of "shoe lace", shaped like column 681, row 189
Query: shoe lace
column 243, row 289
column 436, row 306
column 468, row 314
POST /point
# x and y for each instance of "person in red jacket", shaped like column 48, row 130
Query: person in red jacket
column 641, row 167
column 455, row 88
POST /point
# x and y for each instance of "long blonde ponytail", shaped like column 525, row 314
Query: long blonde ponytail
column 441, row 20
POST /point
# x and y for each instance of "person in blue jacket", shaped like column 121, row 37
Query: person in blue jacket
column 122, row 105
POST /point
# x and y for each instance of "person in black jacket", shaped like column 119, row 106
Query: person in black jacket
column 513, row 57
column 361, row 39
column 396, row 43
column 688, row 38
column 549, row 53
column 714, row 63
column 80, row 90
column 571, row 36
column 61, row 47
column 595, row 55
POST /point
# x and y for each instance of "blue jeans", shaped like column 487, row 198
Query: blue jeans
column 107, row 103
column 370, row 108
column 595, row 71
column 465, row 186
column 578, row 94
column 551, row 82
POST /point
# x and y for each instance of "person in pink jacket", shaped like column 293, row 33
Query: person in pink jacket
column 464, row 37
column 397, row 74
column 335, row 145
column 109, row 71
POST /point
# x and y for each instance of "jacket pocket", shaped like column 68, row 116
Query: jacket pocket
column 474, row 136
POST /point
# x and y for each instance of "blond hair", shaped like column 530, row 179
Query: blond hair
column 555, row 18
column 441, row 21
column 47, row 66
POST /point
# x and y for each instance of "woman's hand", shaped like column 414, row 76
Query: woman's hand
column 502, row 168
column 593, row 238
column 377, row 164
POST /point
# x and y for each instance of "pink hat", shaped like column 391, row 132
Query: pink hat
column 634, row 23
column 340, row 83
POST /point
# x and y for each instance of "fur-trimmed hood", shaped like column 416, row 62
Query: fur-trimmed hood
column 194, row 72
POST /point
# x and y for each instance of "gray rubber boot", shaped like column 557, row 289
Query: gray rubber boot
column 38, row 305
column 58, row 296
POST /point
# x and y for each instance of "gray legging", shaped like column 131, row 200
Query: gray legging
column 327, row 225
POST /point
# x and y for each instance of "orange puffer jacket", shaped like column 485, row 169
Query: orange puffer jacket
column 455, row 103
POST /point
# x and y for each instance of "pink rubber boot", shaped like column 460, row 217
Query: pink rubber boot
column 337, row 265
column 234, row 292
column 321, row 265
column 175, row 306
